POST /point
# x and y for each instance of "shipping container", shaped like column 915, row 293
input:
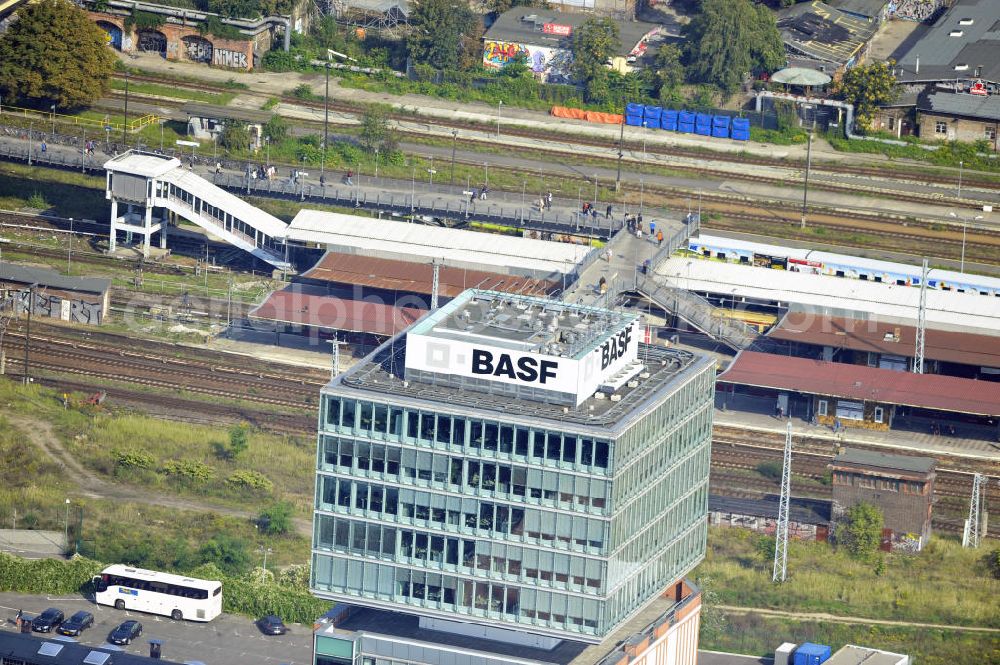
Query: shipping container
column 811, row 654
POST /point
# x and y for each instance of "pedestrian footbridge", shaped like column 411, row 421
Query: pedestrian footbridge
column 146, row 189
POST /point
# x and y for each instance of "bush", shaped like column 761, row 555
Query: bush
column 132, row 458
column 238, row 440
column 251, row 480
column 861, row 530
column 276, row 519
column 770, row 469
column 37, row 201
column 280, row 61
column 992, row 561
column 46, row 576
column 229, row 554
column 189, row 469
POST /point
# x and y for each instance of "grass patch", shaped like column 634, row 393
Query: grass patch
column 944, row 584
column 174, row 92
column 975, row 156
column 62, row 193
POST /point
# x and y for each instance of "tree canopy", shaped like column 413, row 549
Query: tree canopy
column 867, row 87
column 54, row 54
column 861, row 530
column 729, row 39
column 593, row 45
column 444, row 35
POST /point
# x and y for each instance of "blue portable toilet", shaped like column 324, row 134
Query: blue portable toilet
column 811, row 654
column 720, row 126
column 668, row 120
column 685, row 122
column 703, row 124
column 740, row 129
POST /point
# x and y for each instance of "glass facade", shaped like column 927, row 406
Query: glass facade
column 543, row 526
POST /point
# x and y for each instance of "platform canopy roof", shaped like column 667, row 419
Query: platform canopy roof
column 800, row 76
column 310, row 306
column 863, row 384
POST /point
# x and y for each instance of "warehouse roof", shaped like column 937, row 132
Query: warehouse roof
column 885, row 461
column 16, row 647
column 414, row 277
column 863, row 383
column 868, row 8
column 310, row 306
column 979, row 107
column 45, row 278
column 419, row 242
column 887, row 337
column 964, row 39
column 527, row 25
column 820, row 31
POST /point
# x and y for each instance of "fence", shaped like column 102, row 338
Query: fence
column 100, row 125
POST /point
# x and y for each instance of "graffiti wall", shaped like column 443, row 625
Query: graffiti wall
column 231, row 59
column 548, row 64
column 77, row 311
column 197, row 48
column 113, row 34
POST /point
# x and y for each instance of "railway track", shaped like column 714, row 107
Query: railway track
column 972, row 182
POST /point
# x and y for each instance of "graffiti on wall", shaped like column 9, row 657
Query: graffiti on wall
column 77, row 311
column 152, row 41
column 112, row 34
column 231, row 59
column 197, row 49
column 548, row 64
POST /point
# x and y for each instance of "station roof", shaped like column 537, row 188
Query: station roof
column 419, row 242
column 526, row 25
column 884, row 461
column 979, row 107
column 45, row 278
column 309, row 306
column 203, row 189
column 967, row 34
column 831, row 295
column 886, row 337
column 823, row 32
column 862, row 383
column 16, row 647
column 142, row 164
column 413, row 277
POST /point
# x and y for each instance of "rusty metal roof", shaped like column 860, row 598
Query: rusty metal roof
column 306, row 305
column 415, row 277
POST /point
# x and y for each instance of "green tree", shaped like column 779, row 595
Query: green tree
column 593, row 45
column 54, row 54
column 866, row 88
column 730, row 39
column 668, row 72
column 992, row 561
column 500, row 6
column 228, row 553
column 239, row 439
column 276, row 129
column 276, row 519
column 444, row 34
column 860, row 531
column 517, row 67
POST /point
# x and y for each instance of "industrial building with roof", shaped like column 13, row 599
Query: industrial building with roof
column 901, row 486
column 544, row 37
column 64, row 297
column 819, row 36
column 945, row 115
column 518, row 471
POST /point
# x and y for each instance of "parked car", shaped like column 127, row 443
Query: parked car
column 271, row 625
column 125, row 632
column 76, row 624
column 47, row 621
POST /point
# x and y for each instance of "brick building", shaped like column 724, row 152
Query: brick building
column 902, row 487
column 949, row 116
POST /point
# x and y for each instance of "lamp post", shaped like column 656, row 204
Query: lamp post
column 326, row 118
column 265, row 551
column 31, row 130
column 644, row 147
column 486, row 165
column 376, row 163
column 69, row 248
column 125, row 124
column 454, row 144
column 52, row 136
column 66, row 527
column 961, row 165
column 267, row 149
column 499, row 104
column 965, row 226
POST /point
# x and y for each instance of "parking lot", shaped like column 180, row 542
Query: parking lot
column 227, row 640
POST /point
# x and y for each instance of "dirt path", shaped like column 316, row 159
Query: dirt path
column 820, row 616
column 42, row 436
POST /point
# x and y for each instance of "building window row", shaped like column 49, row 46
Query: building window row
column 665, row 526
column 442, row 471
column 458, row 595
column 513, row 563
column 478, row 437
column 460, row 514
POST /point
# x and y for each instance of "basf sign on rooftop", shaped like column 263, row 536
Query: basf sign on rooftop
column 508, row 361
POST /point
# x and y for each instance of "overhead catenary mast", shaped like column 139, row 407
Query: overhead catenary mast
column 781, row 532
column 918, row 352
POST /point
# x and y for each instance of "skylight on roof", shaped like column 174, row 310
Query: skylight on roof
column 97, row 658
column 956, row 33
column 966, row 21
column 961, row 67
column 51, row 649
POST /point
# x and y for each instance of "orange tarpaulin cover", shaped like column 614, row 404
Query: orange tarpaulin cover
column 589, row 116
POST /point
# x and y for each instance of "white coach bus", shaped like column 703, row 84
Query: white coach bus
column 175, row 596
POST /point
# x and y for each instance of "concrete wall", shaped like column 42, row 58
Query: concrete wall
column 956, row 129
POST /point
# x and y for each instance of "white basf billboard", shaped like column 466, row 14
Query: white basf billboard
column 545, row 372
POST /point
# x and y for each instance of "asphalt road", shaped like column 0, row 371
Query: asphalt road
column 227, row 640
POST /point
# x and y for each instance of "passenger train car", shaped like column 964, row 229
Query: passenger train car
column 817, row 262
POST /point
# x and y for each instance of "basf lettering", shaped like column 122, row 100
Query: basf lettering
column 615, row 347
column 526, row 368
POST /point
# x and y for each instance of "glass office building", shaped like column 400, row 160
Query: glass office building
column 499, row 497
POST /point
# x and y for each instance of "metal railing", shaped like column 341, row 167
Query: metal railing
column 100, row 125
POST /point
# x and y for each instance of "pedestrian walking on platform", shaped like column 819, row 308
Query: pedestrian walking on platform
column 44, row 146
column 659, row 238
column 607, row 212
column 548, row 200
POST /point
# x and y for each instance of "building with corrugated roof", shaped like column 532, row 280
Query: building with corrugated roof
column 52, row 294
column 944, row 115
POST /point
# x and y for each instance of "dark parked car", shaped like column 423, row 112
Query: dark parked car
column 271, row 625
column 125, row 632
column 76, row 624
column 47, row 621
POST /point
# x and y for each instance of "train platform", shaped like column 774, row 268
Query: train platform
column 757, row 414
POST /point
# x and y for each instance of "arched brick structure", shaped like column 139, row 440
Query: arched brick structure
column 113, row 32
column 151, row 41
column 197, row 48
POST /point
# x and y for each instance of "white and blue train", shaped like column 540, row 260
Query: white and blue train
column 817, row 262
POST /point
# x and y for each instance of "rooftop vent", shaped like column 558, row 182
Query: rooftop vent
column 956, row 33
column 966, row 21
column 961, row 67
